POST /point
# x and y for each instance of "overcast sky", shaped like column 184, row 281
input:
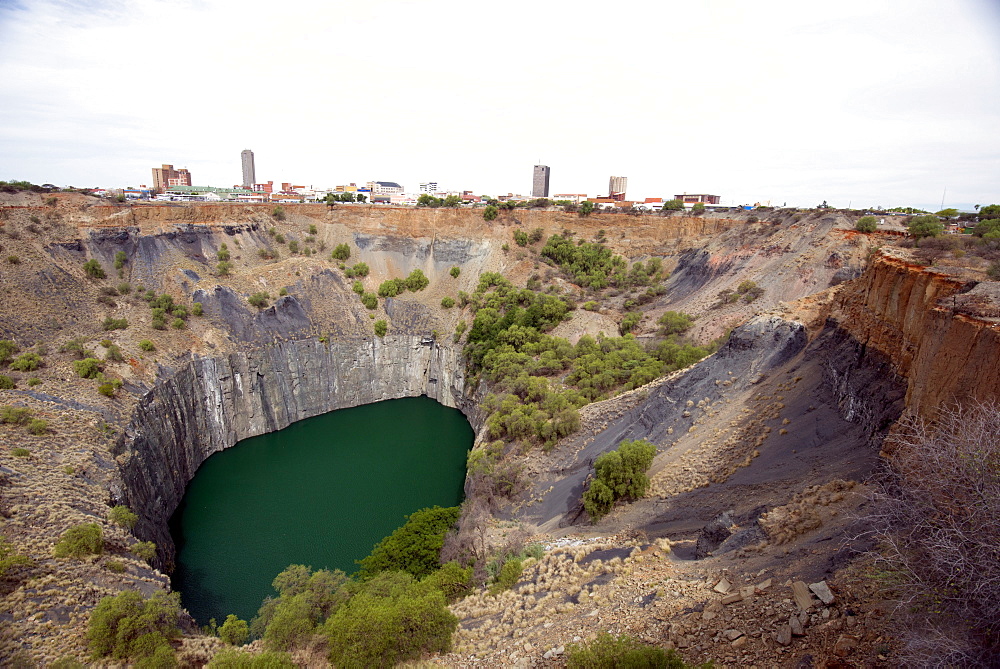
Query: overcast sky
column 864, row 103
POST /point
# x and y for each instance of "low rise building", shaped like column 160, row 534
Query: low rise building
column 694, row 198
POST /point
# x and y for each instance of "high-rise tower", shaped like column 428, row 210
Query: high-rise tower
column 540, row 181
column 249, row 174
column 616, row 188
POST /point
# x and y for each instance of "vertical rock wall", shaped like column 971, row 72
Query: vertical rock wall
column 212, row 403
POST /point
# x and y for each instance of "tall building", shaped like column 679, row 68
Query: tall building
column 540, row 181
column 249, row 173
column 616, row 188
column 429, row 187
column 166, row 176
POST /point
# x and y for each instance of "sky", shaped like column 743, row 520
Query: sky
column 858, row 103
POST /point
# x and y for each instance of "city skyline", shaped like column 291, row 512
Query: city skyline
column 866, row 103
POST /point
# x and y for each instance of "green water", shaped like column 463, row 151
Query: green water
column 321, row 492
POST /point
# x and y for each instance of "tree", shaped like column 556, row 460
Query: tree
column 989, row 211
column 675, row 322
column 414, row 547
column 234, row 631
column 673, row 205
column 341, row 252
column 925, row 226
column 122, row 515
column 586, row 208
column 619, row 474
column 80, row 541
column 698, row 208
column 417, row 281
column 362, row 198
column 490, row 212
column 455, row 271
column 866, row 224
column 452, row 201
column 128, row 627
column 986, row 227
column 947, row 213
column 94, row 269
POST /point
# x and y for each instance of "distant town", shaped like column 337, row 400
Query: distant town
column 171, row 184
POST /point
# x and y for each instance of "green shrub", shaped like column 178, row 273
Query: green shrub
column 114, row 323
column 341, row 252
column 304, row 600
column 490, row 212
column 197, row 309
column 80, row 541
column 452, row 580
column 278, row 213
column 629, row 322
column 37, row 426
column 177, row 324
column 26, row 362
column 124, row 288
column 509, row 574
column 122, row 515
column 313, row 229
column 223, row 253
column 88, row 368
column 120, row 259
column 9, row 558
column 381, row 327
column 20, row 452
column 925, row 226
column 866, row 224
column 293, row 246
column 370, row 300
column 144, row 550
column 231, row 658
column 417, row 281
column 146, row 345
column 447, row 302
column 234, row 631
column 611, row 652
column 359, row 269
column 365, row 632
column 675, row 322
column 259, row 300
column 280, row 238
column 358, row 287
column 128, row 627
column 590, row 305
column 115, row 566
column 619, row 474
column 94, row 270
column 414, row 547
column 14, row 260
column 224, row 268
column 34, row 381
column 455, row 271
column 179, row 311
column 7, row 349
column 521, row 238
column 14, row 415
column 460, row 330
column 391, row 288
column 114, row 354
column 7, row 383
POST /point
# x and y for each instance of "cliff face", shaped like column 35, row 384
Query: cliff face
column 210, row 404
column 902, row 310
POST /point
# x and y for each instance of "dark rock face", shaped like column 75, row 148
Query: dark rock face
column 212, row 403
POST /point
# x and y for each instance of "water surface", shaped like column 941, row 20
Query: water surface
column 321, row 492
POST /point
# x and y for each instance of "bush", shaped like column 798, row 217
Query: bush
column 358, row 287
column 94, row 270
column 365, row 631
column 490, row 213
column 341, row 252
column 234, row 631
column 7, row 349
column 26, row 362
column 447, row 302
column 14, row 415
column 417, row 281
column 278, row 213
column 114, row 354
column 391, row 288
column 610, row 652
column 937, row 525
column 124, row 288
column 381, row 327
column 675, row 322
column 6, row 382
column 147, row 346
column 144, row 550
column 370, row 300
column 629, row 322
column 9, row 558
column 619, row 474
column 521, row 237
column 120, row 259
column 224, row 268
column 88, row 368
column 455, row 271
column 13, row 260
column 122, row 515
column 925, row 226
column 20, row 452
column 114, row 323
column 34, row 381
column 866, row 224
column 358, row 270
column 177, row 324
column 590, row 305
column 37, row 426
column 259, row 300
column 414, row 547
column 80, row 541
column 222, row 254
column 128, row 627
column 509, row 574
column 231, row 658
column 197, row 309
